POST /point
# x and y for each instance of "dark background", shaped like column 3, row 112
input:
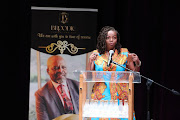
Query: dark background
column 149, row 28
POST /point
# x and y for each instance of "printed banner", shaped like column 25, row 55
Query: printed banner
column 61, row 39
column 63, row 30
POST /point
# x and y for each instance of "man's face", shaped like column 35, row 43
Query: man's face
column 57, row 70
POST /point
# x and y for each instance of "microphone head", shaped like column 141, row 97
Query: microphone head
column 111, row 52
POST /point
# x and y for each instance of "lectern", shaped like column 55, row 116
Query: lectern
column 89, row 108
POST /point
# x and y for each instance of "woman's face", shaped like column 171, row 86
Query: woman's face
column 111, row 40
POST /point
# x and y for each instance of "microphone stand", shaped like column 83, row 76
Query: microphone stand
column 148, row 84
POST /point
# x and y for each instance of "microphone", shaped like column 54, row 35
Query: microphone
column 111, row 52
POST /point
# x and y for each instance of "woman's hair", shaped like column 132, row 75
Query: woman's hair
column 101, row 39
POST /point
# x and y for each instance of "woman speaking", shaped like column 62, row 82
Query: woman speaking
column 109, row 39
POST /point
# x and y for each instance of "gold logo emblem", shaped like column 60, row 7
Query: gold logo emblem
column 64, row 17
column 61, row 46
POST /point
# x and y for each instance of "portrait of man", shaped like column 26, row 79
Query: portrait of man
column 59, row 95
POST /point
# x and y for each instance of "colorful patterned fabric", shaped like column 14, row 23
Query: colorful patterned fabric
column 107, row 90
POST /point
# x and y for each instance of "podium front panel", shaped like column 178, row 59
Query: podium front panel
column 103, row 108
column 108, row 76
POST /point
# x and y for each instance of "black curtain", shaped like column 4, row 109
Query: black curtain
column 149, row 28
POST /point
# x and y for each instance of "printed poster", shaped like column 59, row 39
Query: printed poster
column 61, row 39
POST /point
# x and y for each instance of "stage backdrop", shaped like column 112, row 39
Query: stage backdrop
column 66, row 32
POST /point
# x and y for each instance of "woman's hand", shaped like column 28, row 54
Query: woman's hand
column 92, row 57
column 132, row 57
column 135, row 59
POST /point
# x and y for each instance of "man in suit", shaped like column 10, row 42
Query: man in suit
column 58, row 96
